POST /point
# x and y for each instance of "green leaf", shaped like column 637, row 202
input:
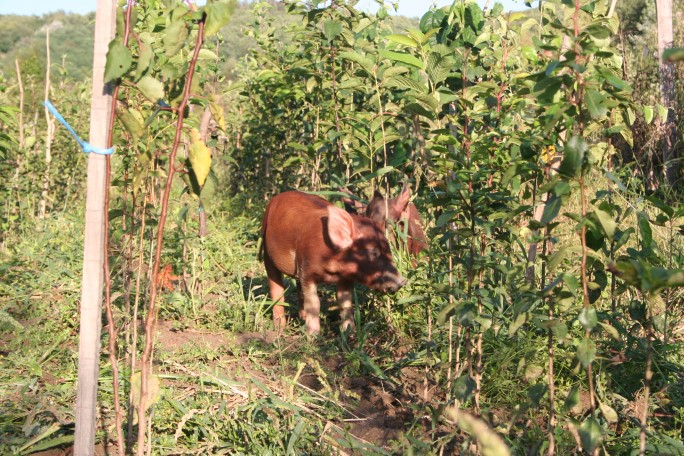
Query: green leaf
column 673, row 54
column 520, row 320
column 533, row 372
column 556, row 258
column 607, row 223
column 402, row 57
column 403, row 82
column 153, row 385
column 612, row 332
column 175, row 36
column 591, row 434
column 331, row 29
column 586, row 352
column 152, row 88
column 133, row 123
column 609, row 413
column 489, row 442
column 631, row 116
column 645, row 230
column 463, row 388
column 365, row 62
column 218, row 14
column 572, row 400
column 145, row 56
column 662, row 113
column 588, row 318
column 295, row 436
column 118, row 61
column 596, row 103
column 445, row 218
column 615, row 81
column 648, row 114
column 573, row 157
column 646, row 278
column 51, row 443
column 352, row 83
column 200, row 157
column 206, row 54
column 551, row 210
column 403, row 39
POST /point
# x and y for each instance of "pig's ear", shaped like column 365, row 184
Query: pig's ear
column 402, row 200
column 352, row 205
column 376, row 208
column 340, row 228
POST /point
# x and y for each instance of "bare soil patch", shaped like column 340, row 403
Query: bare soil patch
column 378, row 411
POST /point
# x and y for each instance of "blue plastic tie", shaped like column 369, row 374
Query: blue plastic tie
column 87, row 148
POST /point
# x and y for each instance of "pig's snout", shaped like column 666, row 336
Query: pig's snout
column 401, row 281
column 391, row 283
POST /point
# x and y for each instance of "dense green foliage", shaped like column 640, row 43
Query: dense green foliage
column 546, row 305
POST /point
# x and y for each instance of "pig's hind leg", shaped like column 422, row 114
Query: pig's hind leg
column 311, row 307
column 276, row 290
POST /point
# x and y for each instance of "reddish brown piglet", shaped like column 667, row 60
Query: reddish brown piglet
column 306, row 237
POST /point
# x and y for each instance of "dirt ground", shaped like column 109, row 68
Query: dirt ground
column 379, row 411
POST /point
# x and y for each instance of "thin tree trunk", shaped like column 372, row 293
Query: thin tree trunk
column 50, row 132
column 21, row 104
column 667, row 92
column 22, row 143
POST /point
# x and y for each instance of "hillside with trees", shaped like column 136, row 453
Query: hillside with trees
column 543, row 315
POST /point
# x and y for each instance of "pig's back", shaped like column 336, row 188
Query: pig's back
column 292, row 225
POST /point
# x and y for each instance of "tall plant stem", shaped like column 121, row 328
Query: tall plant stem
column 451, row 318
column 111, row 324
column 546, row 247
column 20, row 114
column 647, row 378
column 136, row 307
column 336, row 106
column 150, row 321
column 49, row 134
column 22, row 143
column 585, row 286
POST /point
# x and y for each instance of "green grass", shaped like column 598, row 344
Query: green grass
column 227, row 385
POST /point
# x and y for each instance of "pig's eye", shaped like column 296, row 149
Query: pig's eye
column 373, row 254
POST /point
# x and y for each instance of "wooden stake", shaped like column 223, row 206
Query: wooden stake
column 93, row 250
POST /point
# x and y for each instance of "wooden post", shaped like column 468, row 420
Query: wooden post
column 93, row 250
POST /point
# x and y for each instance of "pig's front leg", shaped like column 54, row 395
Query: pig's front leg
column 344, row 301
column 312, row 307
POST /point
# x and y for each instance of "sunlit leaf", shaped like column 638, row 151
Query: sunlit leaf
column 200, row 157
column 573, row 157
column 402, row 57
column 218, row 14
column 118, row 61
column 488, row 441
column 175, row 36
column 648, row 114
column 152, row 88
column 403, row 39
column 572, row 400
column 152, row 390
column 331, row 29
column 588, row 318
column 586, row 352
column 596, row 103
column 551, row 210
